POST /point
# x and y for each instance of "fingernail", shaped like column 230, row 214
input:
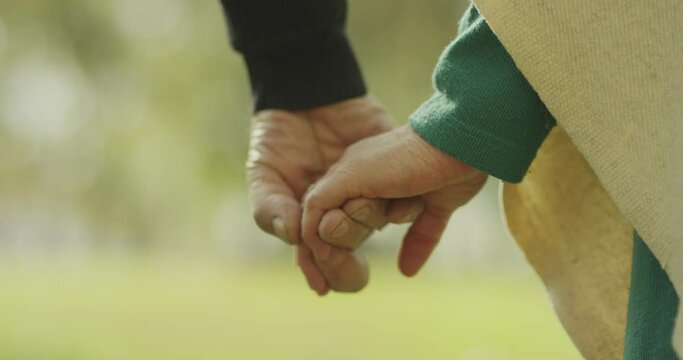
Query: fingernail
column 362, row 213
column 280, row 230
column 341, row 229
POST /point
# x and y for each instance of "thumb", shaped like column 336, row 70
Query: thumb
column 396, row 164
column 328, row 193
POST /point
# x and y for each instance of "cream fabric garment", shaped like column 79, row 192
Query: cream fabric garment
column 611, row 72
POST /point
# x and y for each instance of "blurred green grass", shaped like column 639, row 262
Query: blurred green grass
column 166, row 309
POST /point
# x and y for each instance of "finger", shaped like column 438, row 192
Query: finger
column 337, row 228
column 342, row 271
column 421, row 239
column 316, row 280
column 309, row 224
column 369, row 212
column 345, row 271
column 401, row 211
column 274, row 206
column 328, row 193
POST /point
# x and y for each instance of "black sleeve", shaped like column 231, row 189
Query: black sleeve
column 296, row 51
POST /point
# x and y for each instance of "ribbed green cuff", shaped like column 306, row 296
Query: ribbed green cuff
column 460, row 134
column 484, row 112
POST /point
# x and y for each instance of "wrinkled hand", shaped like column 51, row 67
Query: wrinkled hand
column 289, row 151
column 395, row 165
column 347, row 228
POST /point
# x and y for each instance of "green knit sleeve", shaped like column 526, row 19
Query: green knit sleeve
column 483, row 112
column 652, row 308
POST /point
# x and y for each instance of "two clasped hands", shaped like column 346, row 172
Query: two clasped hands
column 325, row 179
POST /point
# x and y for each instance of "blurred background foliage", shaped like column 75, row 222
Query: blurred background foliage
column 124, row 225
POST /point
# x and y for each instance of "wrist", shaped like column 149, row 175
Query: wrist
column 446, row 166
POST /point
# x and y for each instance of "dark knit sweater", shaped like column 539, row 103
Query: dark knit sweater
column 296, row 51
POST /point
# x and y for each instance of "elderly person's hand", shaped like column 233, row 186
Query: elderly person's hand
column 398, row 164
column 348, row 227
column 291, row 150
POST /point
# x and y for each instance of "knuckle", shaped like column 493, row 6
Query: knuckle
column 312, row 200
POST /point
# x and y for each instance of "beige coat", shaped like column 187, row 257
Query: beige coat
column 611, row 72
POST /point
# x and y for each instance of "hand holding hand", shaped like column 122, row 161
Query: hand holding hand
column 398, row 164
column 290, row 150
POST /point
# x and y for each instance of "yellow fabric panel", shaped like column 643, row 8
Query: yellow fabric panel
column 578, row 242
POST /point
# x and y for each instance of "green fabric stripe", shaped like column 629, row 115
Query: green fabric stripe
column 484, row 112
column 652, row 308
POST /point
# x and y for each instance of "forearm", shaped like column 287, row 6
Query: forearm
column 296, row 51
